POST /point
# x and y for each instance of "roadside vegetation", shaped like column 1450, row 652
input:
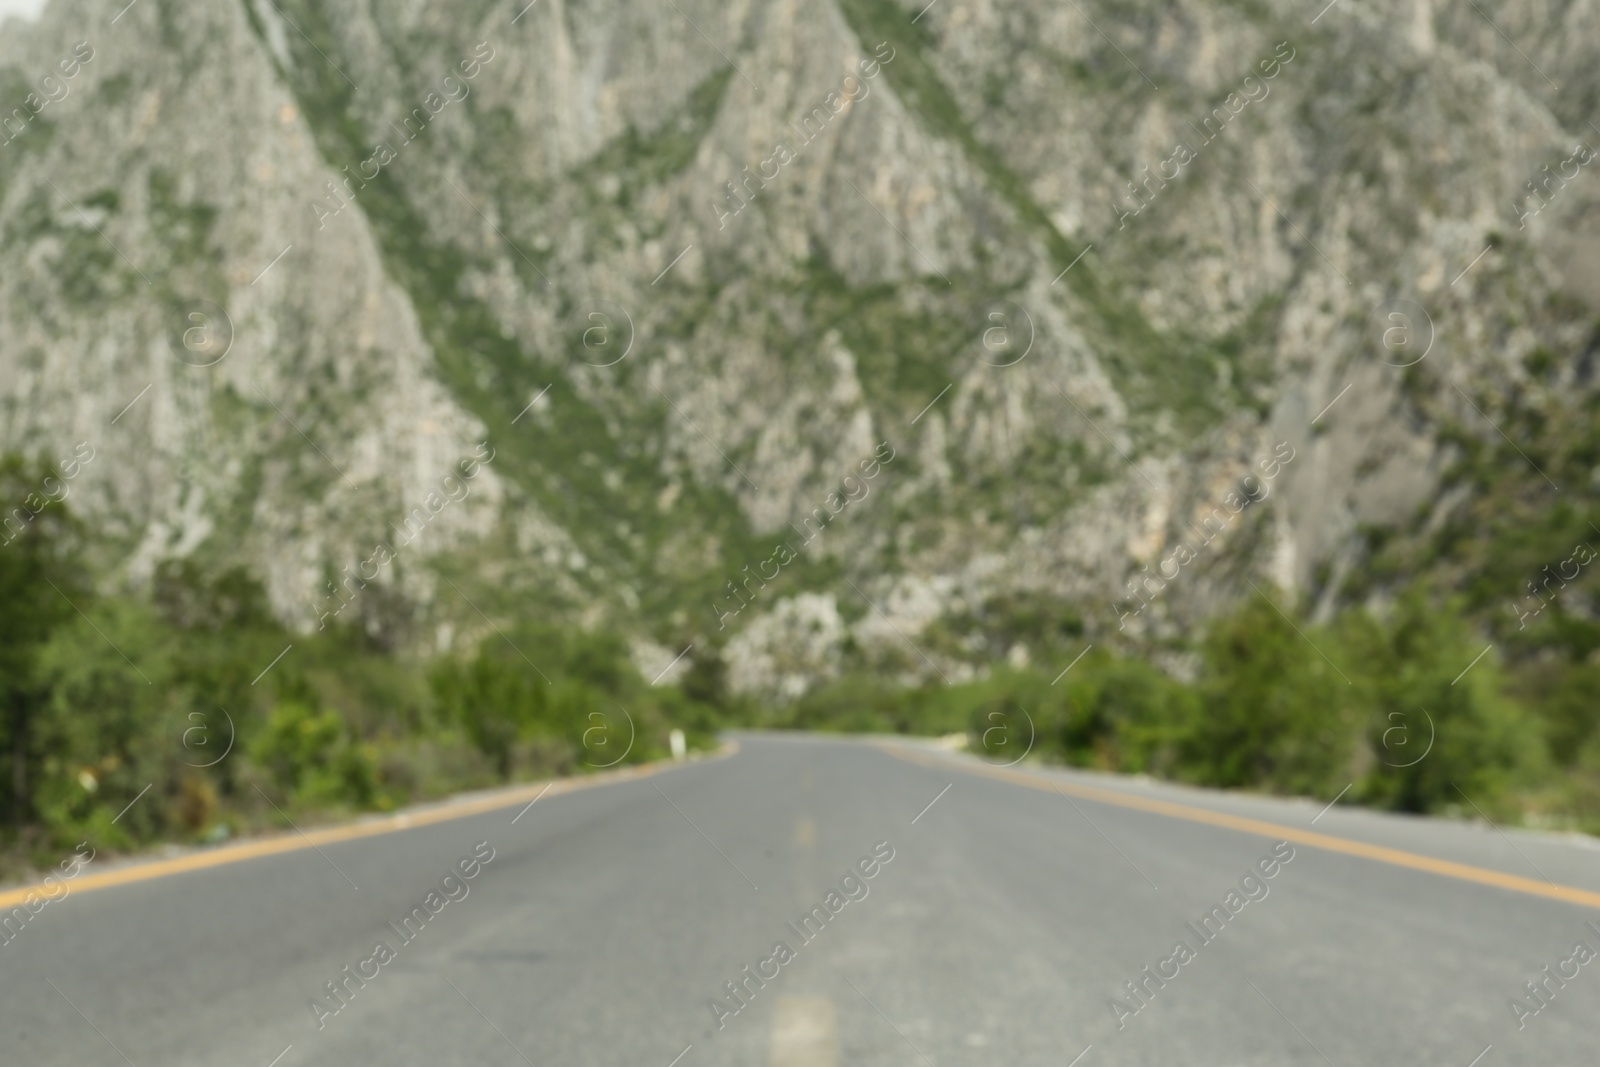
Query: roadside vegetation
column 1462, row 678
column 182, row 690
column 1371, row 703
column 176, row 713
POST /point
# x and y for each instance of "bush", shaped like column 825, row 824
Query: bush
column 1125, row 715
column 315, row 759
column 1565, row 694
column 1275, row 713
column 1481, row 739
column 584, row 706
column 1280, row 706
column 105, row 732
column 492, row 701
column 107, row 702
column 41, row 577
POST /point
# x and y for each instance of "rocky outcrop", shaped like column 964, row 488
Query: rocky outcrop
column 1083, row 268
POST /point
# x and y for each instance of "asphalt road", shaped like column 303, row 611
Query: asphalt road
column 1009, row 917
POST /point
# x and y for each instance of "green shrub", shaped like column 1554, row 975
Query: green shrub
column 106, row 730
column 1481, row 739
column 314, row 758
column 1126, row 715
column 492, row 701
column 1275, row 713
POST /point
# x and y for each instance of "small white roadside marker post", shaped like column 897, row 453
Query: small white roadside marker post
column 679, row 748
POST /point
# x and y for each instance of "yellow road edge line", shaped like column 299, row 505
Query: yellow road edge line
column 291, row 841
column 1310, row 838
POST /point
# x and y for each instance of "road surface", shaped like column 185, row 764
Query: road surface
column 1003, row 915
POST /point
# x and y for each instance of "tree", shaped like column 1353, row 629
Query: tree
column 1441, row 735
column 1276, row 713
column 41, row 576
column 493, row 698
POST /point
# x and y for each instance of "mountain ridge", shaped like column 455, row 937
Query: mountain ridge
column 452, row 299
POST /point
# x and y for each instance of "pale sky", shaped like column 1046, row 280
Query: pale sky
column 26, row 8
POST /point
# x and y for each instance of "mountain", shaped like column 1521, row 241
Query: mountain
column 862, row 332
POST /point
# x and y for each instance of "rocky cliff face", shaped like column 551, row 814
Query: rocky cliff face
column 792, row 328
